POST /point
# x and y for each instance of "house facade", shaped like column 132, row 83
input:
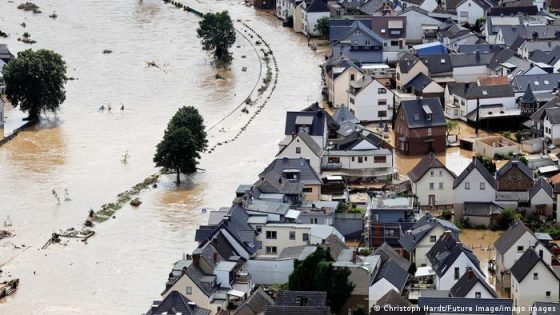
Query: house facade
column 432, row 182
column 514, row 180
column 311, row 13
column 370, row 100
column 420, row 127
column 474, row 184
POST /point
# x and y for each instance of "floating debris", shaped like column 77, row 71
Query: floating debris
column 218, row 77
column 84, row 235
column 53, row 15
column 5, row 234
column 8, row 288
column 135, row 202
column 244, row 69
column 29, row 6
column 2, row 34
column 107, row 51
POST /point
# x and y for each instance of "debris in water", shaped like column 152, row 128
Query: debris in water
column 107, row 51
column 218, row 77
column 8, row 288
column 244, row 69
column 5, row 234
column 135, row 202
column 29, row 6
column 53, row 15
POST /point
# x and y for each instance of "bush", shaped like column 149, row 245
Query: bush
column 463, row 223
column 446, row 214
column 135, row 202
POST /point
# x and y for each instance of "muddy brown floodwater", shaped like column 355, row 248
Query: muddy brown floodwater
column 126, row 264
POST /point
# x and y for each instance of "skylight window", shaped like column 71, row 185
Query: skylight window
column 484, row 92
column 383, row 31
column 537, row 83
column 442, row 60
column 546, row 82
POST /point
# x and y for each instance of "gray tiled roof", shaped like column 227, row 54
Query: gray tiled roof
column 406, row 62
column 394, row 273
column 446, row 251
column 553, row 115
column 421, row 228
column 511, row 236
column 293, row 298
column 335, row 245
column 307, row 175
column 388, row 253
column 539, row 114
column 176, row 303
column 494, row 306
column 427, row 162
column 416, row 116
column 317, row 127
column 255, row 304
column 419, row 82
column 528, row 97
column 465, row 284
column 317, row 6
column 392, row 298
column 514, row 163
column 526, row 263
column 539, row 184
column 538, row 82
column 475, row 165
column 344, row 114
column 437, row 63
column 469, row 60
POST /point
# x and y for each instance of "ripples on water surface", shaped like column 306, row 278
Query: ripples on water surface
column 126, row 264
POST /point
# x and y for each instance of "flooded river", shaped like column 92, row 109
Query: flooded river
column 126, row 264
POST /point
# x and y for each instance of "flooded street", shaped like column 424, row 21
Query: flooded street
column 126, row 264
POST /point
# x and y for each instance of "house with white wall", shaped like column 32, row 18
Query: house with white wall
column 311, row 13
column 541, row 197
column 420, row 239
column 533, row 280
column 418, row 21
column 283, row 9
column 450, row 259
column 551, row 125
column 408, row 67
column 276, row 237
column 338, row 80
column 468, row 11
column 1, row 112
column 432, row 182
column 370, row 100
column 303, row 146
column 474, row 184
column 509, row 247
column 391, row 276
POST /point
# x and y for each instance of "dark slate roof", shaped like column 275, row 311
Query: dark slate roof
column 437, row 63
column 293, row 298
column 394, row 273
column 317, row 6
column 392, row 298
column 472, row 91
column 335, row 245
column 421, row 228
column 539, row 184
column 539, row 114
column 465, row 284
column 510, row 237
column 406, row 62
column 427, row 162
column 475, row 164
column 317, row 127
column 526, row 263
column 176, row 303
column 514, row 163
column 507, row 11
column 446, row 251
column 536, row 81
column 419, row 82
column 255, row 304
column 388, row 253
column 416, row 117
column 364, row 30
column 297, row 310
column 306, row 173
column 482, row 48
column 500, row 57
column 548, row 308
column 528, row 97
column 457, row 305
column 5, row 53
column 469, row 60
column 481, row 209
column 553, row 115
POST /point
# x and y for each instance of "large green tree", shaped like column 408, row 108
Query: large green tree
column 217, row 34
column 183, row 141
column 188, row 116
column 317, row 273
column 35, row 82
column 322, row 27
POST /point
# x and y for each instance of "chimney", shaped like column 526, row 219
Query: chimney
column 470, row 273
column 477, row 55
column 216, row 257
column 447, row 234
column 196, row 259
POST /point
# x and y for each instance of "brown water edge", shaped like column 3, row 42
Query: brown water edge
column 482, row 243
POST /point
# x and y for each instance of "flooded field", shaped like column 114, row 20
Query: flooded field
column 125, row 265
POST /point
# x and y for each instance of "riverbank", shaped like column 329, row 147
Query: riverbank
column 85, row 158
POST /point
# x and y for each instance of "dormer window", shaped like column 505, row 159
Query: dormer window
column 519, row 249
column 383, row 31
column 484, row 92
column 477, row 295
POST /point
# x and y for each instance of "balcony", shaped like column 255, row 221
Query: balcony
column 331, row 166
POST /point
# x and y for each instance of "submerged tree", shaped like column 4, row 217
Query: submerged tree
column 217, row 34
column 183, row 141
column 317, row 273
column 35, row 82
column 322, row 27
